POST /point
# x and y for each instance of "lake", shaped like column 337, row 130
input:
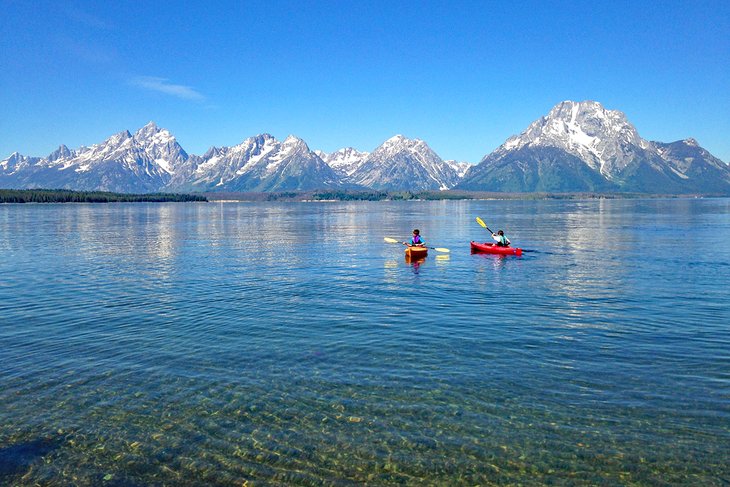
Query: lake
column 288, row 344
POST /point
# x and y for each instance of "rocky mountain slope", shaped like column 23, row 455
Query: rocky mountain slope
column 259, row 163
column 581, row 146
column 405, row 164
column 344, row 161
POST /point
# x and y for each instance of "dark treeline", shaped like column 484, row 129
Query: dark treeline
column 458, row 195
column 337, row 195
column 376, row 195
column 69, row 196
column 359, row 195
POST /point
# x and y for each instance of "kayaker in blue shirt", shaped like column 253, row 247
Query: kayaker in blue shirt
column 416, row 240
column 502, row 241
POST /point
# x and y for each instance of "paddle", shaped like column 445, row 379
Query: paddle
column 481, row 222
column 437, row 249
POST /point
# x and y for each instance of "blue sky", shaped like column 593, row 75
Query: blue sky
column 463, row 76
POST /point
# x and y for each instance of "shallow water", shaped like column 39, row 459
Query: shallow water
column 288, row 344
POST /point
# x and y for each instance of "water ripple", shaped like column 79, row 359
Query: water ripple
column 286, row 344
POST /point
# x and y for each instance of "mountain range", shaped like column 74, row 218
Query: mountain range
column 581, row 146
column 576, row 147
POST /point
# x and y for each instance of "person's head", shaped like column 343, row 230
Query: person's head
column 500, row 232
column 416, row 232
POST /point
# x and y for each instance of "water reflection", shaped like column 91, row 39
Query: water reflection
column 415, row 262
column 277, row 343
column 585, row 252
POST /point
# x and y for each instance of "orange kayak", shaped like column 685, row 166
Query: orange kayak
column 416, row 252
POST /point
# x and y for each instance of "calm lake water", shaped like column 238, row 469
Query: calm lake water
column 288, row 344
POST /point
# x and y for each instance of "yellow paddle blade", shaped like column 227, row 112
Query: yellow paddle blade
column 441, row 249
column 481, row 222
column 390, row 240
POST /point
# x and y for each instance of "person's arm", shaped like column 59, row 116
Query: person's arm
column 495, row 237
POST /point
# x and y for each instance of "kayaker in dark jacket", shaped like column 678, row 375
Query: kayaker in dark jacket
column 416, row 240
column 502, row 241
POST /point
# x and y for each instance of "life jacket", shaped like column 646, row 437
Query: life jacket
column 416, row 240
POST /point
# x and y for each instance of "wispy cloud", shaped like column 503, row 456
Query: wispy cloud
column 163, row 85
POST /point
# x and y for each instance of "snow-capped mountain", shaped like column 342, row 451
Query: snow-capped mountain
column 344, row 161
column 405, row 164
column 161, row 146
column 17, row 163
column 259, row 163
column 143, row 162
column 17, row 171
column 701, row 171
column 579, row 146
column 459, row 167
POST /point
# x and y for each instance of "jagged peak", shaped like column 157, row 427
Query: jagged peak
column 120, row 137
column 585, row 129
column 576, row 122
column 400, row 142
column 585, row 104
column 295, row 142
column 292, row 138
column 14, row 158
column 691, row 141
column 59, row 153
column 149, row 128
column 213, row 151
column 152, row 130
column 573, row 110
column 258, row 139
column 255, row 140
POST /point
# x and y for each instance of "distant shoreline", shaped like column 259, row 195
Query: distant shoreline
column 331, row 196
column 71, row 196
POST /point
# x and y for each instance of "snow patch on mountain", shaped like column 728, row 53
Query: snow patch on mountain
column 401, row 163
column 603, row 138
column 344, row 161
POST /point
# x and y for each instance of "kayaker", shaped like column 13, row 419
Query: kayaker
column 502, row 241
column 416, row 240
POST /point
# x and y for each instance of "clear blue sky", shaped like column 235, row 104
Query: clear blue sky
column 463, row 76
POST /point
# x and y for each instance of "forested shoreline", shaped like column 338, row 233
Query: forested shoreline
column 376, row 195
column 70, row 196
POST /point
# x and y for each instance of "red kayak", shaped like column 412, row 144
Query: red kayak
column 493, row 248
